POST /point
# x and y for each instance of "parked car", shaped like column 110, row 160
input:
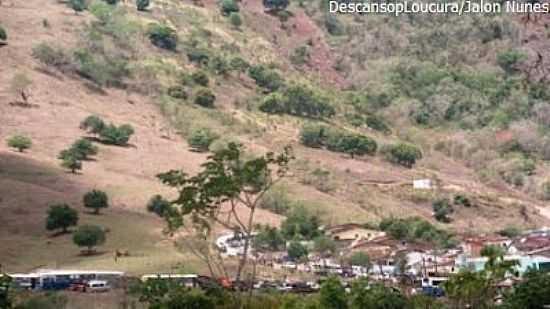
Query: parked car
column 78, row 286
column 96, row 286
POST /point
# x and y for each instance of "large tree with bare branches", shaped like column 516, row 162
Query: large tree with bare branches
column 226, row 191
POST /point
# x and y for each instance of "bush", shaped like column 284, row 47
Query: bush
column 403, row 154
column 71, row 162
column 61, row 216
column 296, row 251
column 3, row 34
column 77, row 5
column 509, row 59
column 377, row 123
column 50, row 56
column 114, row 135
column 96, row 200
column 163, row 36
column 357, row 145
column 83, row 148
column 510, row 231
column 104, row 70
column 235, row 19
column 229, row 6
column 205, row 98
column 359, row 259
column 218, row 65
column 198, row 55
column 268, row 239
column 300, row 225
column 442, row 209
column 415, row 229
column 92, row 124
column 313, row 136
column 89, row 236
column 158, row 205
column 19, row 142
column 177, row 92
column 275, row 4
column 265, row 77
column 142, row 5
column 297, row 100
column 462, row 200
column 200, row 139
column 200, row 78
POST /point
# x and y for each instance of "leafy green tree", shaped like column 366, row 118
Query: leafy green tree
column 89, row 236
column 200, row 139
column 300, row 224
column 158, row 205
column 200, row 78
column 235, row 19
column 360, row 259
column 114, row 135
column 333, row 295
column 312, row 136
column 324, row 245
column 226, row 178
column 268, row 239
column 296, row 251
column 93, row 124
column 84, row 148
column 96, row 199
column 205, row 97
column 77, row 5
column 19, row 142
column 71, row 162
column 376, row 296
column 142, row 5
column 229, row 6
column 357, row 145
column 61, row 216
column 403, row 154
column 276, row 200
column 163, row 36
column 3, row 34
column 533, row 292
column 265, row 77
column 276, row 5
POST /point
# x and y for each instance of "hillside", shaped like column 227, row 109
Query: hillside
column 494, row 153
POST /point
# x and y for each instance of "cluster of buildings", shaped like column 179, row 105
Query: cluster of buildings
column 391, row 259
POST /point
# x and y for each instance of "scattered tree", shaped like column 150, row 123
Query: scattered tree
column 200, row 78
column 229, row 6
column 235, row 19
column 96, row 200
column 93, row 124
column 268, row 239
column 83, row 149
column 158, row 205
column 333, row 295
column 360, row 259
column 72, row 163
column 114, row 135
column 89, row 236
column 296, row 251
column 442, row 209
column 403, row 154
column 324, row 245
column 61, row 216
column 19, row 142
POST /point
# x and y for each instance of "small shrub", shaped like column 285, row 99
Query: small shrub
column 296, row 251
column 163, row 36
column 509, row 59
column 50, row 56
column 276, row 200
column 83, row 148
column 300, row 56
column 320, row 179
column 510, row 231
column 462, row 200
column 3, row 34
column 377, row 123
column 77, row 5
column 198, row 55
column 142, row 5
column 72, row 163
column 19, row 142
column 235, row 19
column 158, row 205
column 265, row 77
column 200, row 78
column 218, row 65
column 312, row 136
column 229, row 6
column 177, row 92
column 200, row 139
column 114, row 135
column 442, row 209
column 205, row 97
column 403, row 154
column 92, row 124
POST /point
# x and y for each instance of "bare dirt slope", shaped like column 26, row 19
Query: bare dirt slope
column 31, row 181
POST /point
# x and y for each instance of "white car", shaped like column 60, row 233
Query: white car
column 96, row 286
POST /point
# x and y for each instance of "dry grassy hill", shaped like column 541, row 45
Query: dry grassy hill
column 357, row 190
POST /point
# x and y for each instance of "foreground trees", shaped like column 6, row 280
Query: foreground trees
column 226, row 191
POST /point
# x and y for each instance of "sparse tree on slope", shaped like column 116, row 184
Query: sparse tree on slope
column 61, row 216
column 96, row 200
column 89, row 236
column 19, row 142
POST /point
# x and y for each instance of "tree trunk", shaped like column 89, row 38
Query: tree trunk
column 244, row 258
